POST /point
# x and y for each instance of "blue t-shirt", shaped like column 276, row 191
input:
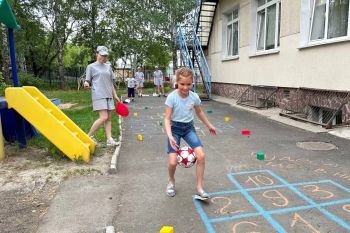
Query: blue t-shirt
column 183, row 108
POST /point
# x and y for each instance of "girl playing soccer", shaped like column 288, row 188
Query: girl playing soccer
column 181, row 105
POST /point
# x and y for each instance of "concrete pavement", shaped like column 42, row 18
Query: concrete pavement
column 279, row 194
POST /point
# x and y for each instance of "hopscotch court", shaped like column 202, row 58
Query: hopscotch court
column 262, row 201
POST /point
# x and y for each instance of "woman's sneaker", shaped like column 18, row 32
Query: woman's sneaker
column 111, row 142
column 170, row 191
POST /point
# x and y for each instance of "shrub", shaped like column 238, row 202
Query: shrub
column 2, row 85
column 30, row 80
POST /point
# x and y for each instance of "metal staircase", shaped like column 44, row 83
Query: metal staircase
column 191, row 39
column 186, row 59
column 202, row 65
column 205, row 10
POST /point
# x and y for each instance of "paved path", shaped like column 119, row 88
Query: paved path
column 295, row 189
column 302, row 185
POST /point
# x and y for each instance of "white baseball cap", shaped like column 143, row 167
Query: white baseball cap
column 102, row 50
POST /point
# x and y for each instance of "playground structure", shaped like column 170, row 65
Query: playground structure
column 38, row 110
column 9, row 20
column 45, row 116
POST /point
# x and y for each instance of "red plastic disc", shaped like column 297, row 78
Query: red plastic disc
column 122, row 109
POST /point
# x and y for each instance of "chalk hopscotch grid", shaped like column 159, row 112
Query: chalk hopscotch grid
column 267, row 214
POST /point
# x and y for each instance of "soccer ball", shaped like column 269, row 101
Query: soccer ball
column 186, row 157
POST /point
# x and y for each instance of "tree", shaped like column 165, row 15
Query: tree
column 5, row 59
column 142, row 31
column 167, row 14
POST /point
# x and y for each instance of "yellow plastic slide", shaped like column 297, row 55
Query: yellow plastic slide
column 37, row 109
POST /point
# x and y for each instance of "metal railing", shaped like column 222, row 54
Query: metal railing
column 258, row 96
column 181, row 41
column 194, row 58
column 321, row 107
column 185, row 54
column 205, row 73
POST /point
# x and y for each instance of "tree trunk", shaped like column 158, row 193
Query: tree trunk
column 5, row 56
column 94, row 12
column 174, row 47
column 60, row 62
column 57, row 31
column 174, row 52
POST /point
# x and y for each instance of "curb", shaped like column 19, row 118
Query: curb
column 273, row 114
column 114, row 161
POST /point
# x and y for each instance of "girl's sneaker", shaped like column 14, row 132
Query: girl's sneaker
column 202, row 195
column 170, row 191
column 111, row 142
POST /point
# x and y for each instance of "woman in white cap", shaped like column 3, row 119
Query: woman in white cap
column 139, row 77
column 159, row 81
column 100, row 78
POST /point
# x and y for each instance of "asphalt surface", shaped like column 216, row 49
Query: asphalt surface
column 302, row 185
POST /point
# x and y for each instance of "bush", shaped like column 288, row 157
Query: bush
column 30, row 80
column 2, row 85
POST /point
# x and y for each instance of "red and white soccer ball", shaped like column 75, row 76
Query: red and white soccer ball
column 186, row 157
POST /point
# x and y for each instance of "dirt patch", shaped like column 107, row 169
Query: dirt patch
column 29, row 179
column 66, row 105
column 71, row 106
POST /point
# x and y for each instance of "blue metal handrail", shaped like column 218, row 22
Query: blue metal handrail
column 202, row 65
column 196, row 13
column 185, row 54
column 187, row 35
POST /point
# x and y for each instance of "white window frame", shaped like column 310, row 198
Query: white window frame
column 306, row 20
column 230, row 21
column 255, row 27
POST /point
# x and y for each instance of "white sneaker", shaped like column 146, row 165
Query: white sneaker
column 111, row 142
column 170, row 190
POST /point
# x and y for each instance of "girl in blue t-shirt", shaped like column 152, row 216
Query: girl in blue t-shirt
column 181, row 105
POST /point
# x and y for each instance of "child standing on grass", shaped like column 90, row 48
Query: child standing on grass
column 181, row 104
column 131, row 83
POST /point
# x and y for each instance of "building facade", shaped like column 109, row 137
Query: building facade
column 293, row 54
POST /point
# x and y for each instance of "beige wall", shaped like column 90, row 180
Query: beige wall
column 320, row 67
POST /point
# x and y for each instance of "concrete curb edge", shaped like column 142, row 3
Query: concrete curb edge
column 114, row 161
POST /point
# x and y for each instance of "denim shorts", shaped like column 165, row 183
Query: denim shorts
column 187, row 132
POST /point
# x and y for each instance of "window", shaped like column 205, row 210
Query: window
column 330, row 19
column 232, row 32
column 268, row 24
